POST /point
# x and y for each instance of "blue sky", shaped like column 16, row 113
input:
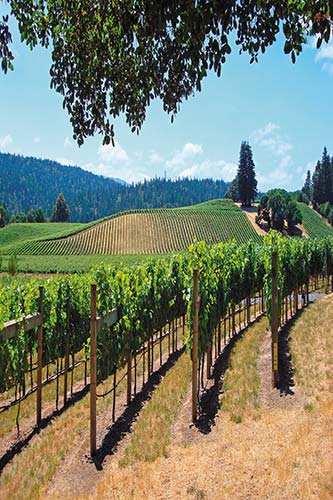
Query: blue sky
column 284, row 110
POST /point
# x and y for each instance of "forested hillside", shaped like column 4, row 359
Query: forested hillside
column 27, row 182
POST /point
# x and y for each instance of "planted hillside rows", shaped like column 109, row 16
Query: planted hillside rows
column 150, row 295
column 151, row 232
column 313, row 223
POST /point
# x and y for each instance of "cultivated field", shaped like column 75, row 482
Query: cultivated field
column 150, row 232
column 314, row 224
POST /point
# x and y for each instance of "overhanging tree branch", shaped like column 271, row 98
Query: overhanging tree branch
column 113, row 57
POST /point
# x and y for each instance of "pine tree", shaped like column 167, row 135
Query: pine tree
column 322, row 181
column 232, row 192
column 40, row 217
column 317, row 192
column 247, row 183
column 307, row 185
column 61, row 212
column 326, row 177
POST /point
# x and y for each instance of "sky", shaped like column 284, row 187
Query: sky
column 283, row 110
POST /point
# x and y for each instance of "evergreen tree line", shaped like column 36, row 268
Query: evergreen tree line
column 319, row 189
column 61, row 213
column 31, row 183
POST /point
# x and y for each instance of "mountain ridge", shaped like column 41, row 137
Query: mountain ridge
column 28, row 182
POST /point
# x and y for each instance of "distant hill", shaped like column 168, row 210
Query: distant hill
column 27, row 182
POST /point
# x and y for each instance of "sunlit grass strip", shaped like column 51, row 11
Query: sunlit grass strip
column 151, row 435
column 28, row 405
column 311, row 349
column 241, row 385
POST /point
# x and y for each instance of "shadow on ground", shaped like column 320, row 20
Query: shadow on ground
column 123, row 424
column 19, row 445
column 210, row 399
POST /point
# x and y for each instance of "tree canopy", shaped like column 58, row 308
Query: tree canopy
column 111, row 57
column 277, row 207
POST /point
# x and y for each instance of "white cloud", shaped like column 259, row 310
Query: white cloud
column 36, row 140
column 68, row 143
column 6, row 141
column 261, row 133
column 112, row 153
column 189, row 151
column 219, row 169
column 325, row 53
column 328, row 67
column 282, row 172
column 155, row 157
column 277, row 178
column 120, row 172
column 270, row 139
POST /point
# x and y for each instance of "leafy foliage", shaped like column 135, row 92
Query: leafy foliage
column 276, row 207
column 111, row 58
column 149, row 295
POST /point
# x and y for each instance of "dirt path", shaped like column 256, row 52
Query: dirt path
column 251, row 213
column 12, row 443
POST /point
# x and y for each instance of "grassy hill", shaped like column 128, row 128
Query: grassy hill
column 313, row 223
column 15, row 234
column 156, row 231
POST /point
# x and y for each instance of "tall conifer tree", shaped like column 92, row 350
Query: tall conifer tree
column 61, row 212
column 307, row 185
column 247, row 183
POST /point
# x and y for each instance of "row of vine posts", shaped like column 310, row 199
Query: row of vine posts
column 29, row 323
column 275, row 323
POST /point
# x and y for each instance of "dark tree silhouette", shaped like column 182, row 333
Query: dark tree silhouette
column 247, row 183
column 61, row 212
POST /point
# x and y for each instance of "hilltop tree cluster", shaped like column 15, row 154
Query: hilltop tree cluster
column 32, row 215
column 319, row 189
column 278, row 208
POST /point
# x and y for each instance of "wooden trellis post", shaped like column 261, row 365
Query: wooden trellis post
column 40, row 356
column 93, row 370
column 275, row 320
column 195, row 345
column 67, row 348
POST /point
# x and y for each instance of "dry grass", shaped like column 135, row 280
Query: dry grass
column 285, row 453
column 270, row 458
column 312, row 350
column 28, row 405
column 151, row 435
column 36, row 465
column 241, row 384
